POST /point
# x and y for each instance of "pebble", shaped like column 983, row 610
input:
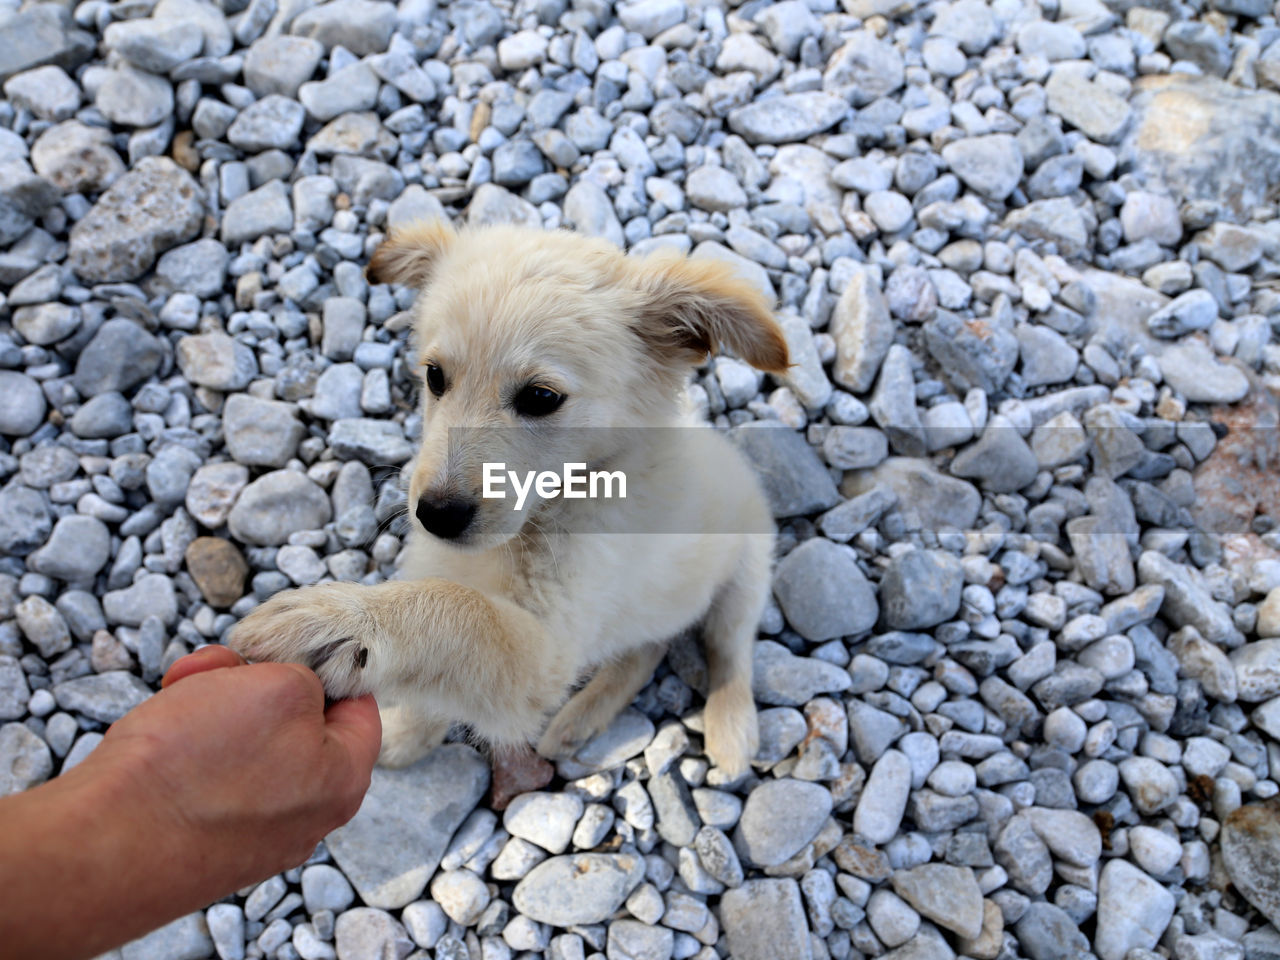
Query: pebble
column 25, row 760
column 151, row 208
column 764, row 919
column 920, row 588
column 884, row 799
column 22, row 404
column 779, row 818
column 1133, row 911
column 578, row 889
column 392, row 846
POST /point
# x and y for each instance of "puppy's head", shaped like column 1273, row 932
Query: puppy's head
column 528, row 340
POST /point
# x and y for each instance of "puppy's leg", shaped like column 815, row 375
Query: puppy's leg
column 593, row 707
column 409, row 732
column 479, row 658
column 732, row 736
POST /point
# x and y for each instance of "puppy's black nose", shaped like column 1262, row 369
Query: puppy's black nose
column 447, row 519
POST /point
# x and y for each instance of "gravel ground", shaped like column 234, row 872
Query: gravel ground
column 1020, row 690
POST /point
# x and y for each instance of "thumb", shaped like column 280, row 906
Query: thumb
column 354, row 730
column 212, row 657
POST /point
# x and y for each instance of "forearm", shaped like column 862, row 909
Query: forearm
column 86, row 864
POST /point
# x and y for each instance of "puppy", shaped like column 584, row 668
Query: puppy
column 545, row 347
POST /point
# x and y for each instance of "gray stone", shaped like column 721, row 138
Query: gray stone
column 823, row 593
column 14, row 691
column 1187, row 601
column 788, row 118
column 22, row 404
column 367, row 933
column 581, row 888
column 151, row 595
column 863, row 331
column 1194, row 310
column 972, row 354
column 650, row 17
column 634, row 940
column 714, row 188
column 1250, row 842
column 1047, row 932
column 105, row 697
column 1150, row 216
column 1057, row 221
column 77, row 158
column 198, row 268
column 546, row 819
column 46, row 91
column 325, row 888
column 884, row 798
column 893, row 404
column 628, row 735
column 108, row 415
column 392, row 846
column 1191, row 369
column 376, row 442
column 1229, row 160
column 78, row 549
column 779, row 819
column 25, row 760
column 277, row 505
column 272, row 123
column 794, row 479
column 991, row 165
column 1047, row 357
column 1095, row 111
column 42, row 34
column 588, row 210
column 24, row 519
column 361, row 26
column 216, row 361
column 260, row 433
column 262, row 211
column 23, row 198
column 864, row 69
column 1000, row 458
column 132, row 98
column 351, row 89
column 156, row 46
column 121, row 355
column 1133, row 911
column 44, row 323
column 945, row 894
column 281, row 64
column 492, row 204
column 920, row 589
column 153, row 207
column 765, row 920
column 783, row 678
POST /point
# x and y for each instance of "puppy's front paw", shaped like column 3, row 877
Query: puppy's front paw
column 732, row 732
column 322, row 627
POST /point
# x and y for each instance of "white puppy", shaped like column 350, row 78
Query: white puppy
column 552, row 348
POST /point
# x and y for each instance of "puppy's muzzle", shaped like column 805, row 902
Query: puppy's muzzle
column 447, row 519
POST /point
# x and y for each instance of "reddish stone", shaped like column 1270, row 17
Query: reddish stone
column 518, row 771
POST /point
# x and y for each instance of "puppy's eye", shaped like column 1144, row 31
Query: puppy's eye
column 435, row 379
column 535, row 401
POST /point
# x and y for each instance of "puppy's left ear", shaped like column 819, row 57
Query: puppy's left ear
column 694, row 307
column 410, row 253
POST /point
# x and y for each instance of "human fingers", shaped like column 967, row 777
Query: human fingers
column 212, row 657
column 354, row 729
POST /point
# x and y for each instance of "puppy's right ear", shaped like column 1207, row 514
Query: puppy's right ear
column 410, row 253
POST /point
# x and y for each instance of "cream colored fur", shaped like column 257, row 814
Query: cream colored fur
column 496, row 631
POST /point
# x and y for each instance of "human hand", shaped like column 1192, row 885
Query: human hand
column 242, row 767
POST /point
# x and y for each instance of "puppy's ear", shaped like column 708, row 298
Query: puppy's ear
column 410, row 253
column 694, row 307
